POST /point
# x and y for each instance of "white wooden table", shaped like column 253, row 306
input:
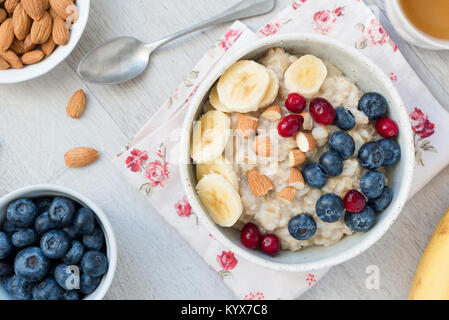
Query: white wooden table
column 154, row 262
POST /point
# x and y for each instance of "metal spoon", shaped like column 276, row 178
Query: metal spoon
column 125, row 58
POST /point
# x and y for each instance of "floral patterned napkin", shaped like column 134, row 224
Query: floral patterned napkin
column 149, row 162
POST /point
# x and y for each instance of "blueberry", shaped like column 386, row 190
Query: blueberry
column 62, row 211
column 380, row 203
column 68, row 277
column 373, row 105
column 88, row 284
column 24, row 238
column 313, row 175
column 360, row 221
column 371, row 155
column 342, row 143
column 345, row 119
column 43, row 204
column 84, row 222
column 9, row 227
column 75, row 253
column 55, row 244
column 18, row 288
column 302, row 226
column 330, row 208
column 70, row 232
column 392, row 151
column 94, row 241
column 372, row 184
column 47, row 289
column 44, row 224
column 71, row 295
column 31, row 264
column 5, row 245
column 21, row 213
column 331, row 163
column 5, row 268
column 94, row 263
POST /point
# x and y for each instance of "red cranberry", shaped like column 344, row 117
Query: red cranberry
column 295, row 103
column 270, row 244
column 354, row 201
column 250, row 236
column 387, row 128
column 322, row 111
column 290, row 125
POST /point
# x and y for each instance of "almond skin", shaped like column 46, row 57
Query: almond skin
column 246, row 125
column 46, row 4
column 33, row 57
column 296, row 179
column 272, row 113
column 259, row 183
column 296, row 157
column 262, row 146
column 48, row 46
column 76, row 104
column 12, row 58
column 3, row 15
column 3, row 64
column 18, row 47
column 60, row 33
column 28, row 43
column 6, row 34
column 80, row 157
column 34, row 8
column 305, row 142
column 41, row 29
column 21, row 22
column 10, row 5
column 287, row 194
column 62, row 8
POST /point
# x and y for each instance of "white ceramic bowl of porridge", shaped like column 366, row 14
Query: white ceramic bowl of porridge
column 362, row 72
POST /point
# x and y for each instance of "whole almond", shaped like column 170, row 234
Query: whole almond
column 10, row 5
column 6, row 34
column 21, row 22
column 3, row 15
column 76, row 104
column 18, row 47
column 3, row 64
column 48, row 46
column 46, row 4
column 63, row 8
column 28, row 43
column 41, row 29
column 60, row 33
column 12, row 58
column 33, row 57
column 34, row 8
column 80, row 157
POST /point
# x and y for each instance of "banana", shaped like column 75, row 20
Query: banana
column 221, row 199
column 221, row 166
column 210, row 136
column 243, row 86
column 305, row 76
column 272, row 90
column 215, row 101
column 431, row 281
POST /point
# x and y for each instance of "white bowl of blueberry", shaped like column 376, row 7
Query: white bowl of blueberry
column 55, row 244
column 297, row 152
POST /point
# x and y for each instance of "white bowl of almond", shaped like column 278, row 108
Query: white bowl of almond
column 36, row 35
column 297, row 153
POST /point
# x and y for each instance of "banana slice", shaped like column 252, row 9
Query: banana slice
column 243, row 86
column 221, row 199
column 272, row 90
column 305, row 76
column 221, row 166
column 215, row 101
column 210, row 136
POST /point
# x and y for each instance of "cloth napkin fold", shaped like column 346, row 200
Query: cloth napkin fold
column 149, row 162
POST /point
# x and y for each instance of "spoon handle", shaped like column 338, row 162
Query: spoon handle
column 243, row 9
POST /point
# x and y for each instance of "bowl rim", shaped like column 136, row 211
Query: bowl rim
column 109, row 235
column 12, row 76
column 371, row 237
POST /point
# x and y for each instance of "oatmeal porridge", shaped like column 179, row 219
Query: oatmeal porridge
column 292, row 153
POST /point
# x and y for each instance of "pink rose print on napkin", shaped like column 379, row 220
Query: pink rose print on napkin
column 270, row 28
column 310, row 279
column 183, row 208
column 227, row 262
column 254, row 296
column 393, row 76
column 297, row 4
column 373, row 35
column 422, row 130
column 136, row 159
column 324, row 21
column 155, row 171
column 229, row 38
